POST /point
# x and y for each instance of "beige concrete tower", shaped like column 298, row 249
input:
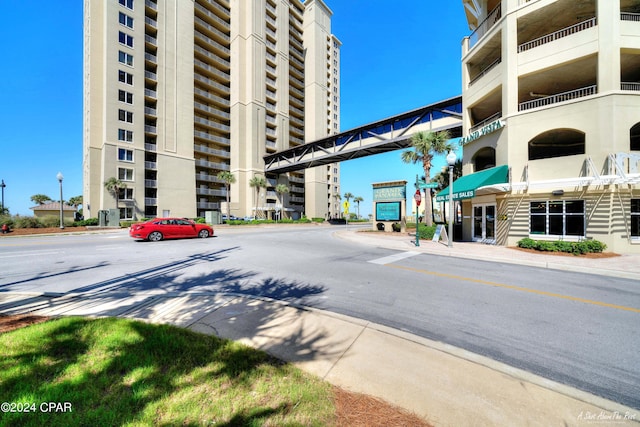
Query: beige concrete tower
column 322, row 91
column 177, row 91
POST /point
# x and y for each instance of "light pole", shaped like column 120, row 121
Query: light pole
column 60, row 178
column 451, row 161
column 417, row 198
column 2, row 185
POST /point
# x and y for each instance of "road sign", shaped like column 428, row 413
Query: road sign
column 429, row 185
column 418, row 197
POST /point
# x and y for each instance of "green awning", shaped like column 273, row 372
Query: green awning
column 465, row 186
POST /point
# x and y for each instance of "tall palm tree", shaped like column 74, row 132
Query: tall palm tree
column 113, row 186
column 425, row 146
column 348, row 196
column 358, row 199
column 228, row 179
column 281, row 189
column 257, row 182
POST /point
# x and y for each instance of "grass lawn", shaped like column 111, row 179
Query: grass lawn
column 100, row 372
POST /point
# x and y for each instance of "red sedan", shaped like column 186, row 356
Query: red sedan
column 169, row 228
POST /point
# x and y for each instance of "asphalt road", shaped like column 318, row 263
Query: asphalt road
column 568, row 327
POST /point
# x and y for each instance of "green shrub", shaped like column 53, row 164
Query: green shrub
column 576, row 248
column 50, row 221
column 28, row 222
column 425, row 232
column 317, row 219
column 85, row 222
column 562, row 246
column 235, row 222
column 527, row 243
column 6, row 219
column 594, row 246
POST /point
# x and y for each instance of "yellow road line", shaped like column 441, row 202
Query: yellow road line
column 518, row 288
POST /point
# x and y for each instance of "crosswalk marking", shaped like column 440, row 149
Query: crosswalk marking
column 393, row 258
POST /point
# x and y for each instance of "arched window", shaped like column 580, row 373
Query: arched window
column 557, row 143
column 634, row 137
column 484, row 158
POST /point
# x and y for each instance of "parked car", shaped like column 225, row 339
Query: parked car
column 169, row 228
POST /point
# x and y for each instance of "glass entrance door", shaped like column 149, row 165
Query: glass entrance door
column 478, row 214
column 484, row 223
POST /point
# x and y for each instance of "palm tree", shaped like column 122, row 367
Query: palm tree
column 40, row 199
column 425, row 146
column 348, row 196
column 75, row 202
column 442, row 178
column 257, row 182
column 281, row 189
column 113, row 186
column 228, row 179
column 338, row 198
column 358, row 200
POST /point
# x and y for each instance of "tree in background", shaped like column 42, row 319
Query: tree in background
column 425, row 146
column 113, row 186
column 442, row 178
column 75, row 201
column 228, row 179
column 257, row 182
column 357, row 200
column 40, row 199
column 281, row 189
column 338, row 197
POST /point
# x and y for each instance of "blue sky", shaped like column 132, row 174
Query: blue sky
column 394, row 59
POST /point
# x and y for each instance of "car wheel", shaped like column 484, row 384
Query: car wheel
column 203, row 234
column 155, row 236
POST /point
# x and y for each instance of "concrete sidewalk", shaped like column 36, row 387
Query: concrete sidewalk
column 624, row 266
column 445, row 385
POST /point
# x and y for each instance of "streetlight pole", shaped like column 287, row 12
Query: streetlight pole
column 60, row 178
column 451, row 161
column 2, row 185
column 417, row 198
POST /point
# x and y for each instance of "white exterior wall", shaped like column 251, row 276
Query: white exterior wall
column 592, row 56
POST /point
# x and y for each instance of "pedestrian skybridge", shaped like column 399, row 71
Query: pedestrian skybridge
column 390, row 134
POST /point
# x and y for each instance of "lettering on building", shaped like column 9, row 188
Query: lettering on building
column 389, row 193
column 485, row 130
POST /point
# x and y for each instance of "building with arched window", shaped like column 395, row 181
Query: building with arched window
column 551, row 95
